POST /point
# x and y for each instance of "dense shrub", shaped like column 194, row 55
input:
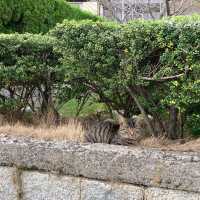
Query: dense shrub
column 193, row 122
column 167, row 48
column 30, row 72
column 154, row 62
column 35, row 16
column 92, row 56
column 148, row 67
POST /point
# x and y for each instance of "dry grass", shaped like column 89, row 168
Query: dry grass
column 173, row 145
column 154, row 142
column 72, row 131
column 193, row 145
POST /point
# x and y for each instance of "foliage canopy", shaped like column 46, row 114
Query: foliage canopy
column 37, row 16
column 157, row 62
column 29, row 71
column 148, row 67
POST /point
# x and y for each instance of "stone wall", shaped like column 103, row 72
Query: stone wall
column 39, row 170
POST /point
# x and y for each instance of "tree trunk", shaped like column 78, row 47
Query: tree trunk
column 157, row 119
column 147, row 121
column 173, row 118
column 165, row 9
column 182, row 119
column 49, row 112
column 160, row 128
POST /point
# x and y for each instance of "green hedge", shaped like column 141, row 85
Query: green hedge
column 25, row 57
column 35, row 16
column 157, row 62
column 30, row 72
column 110, row 58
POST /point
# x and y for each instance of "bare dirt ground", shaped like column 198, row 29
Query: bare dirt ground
column 73, row 131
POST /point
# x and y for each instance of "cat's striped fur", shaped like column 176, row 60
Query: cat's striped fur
column 108, row 131
column 102, row 132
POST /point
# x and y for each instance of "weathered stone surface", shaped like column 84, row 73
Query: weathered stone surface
column 98, row 190
column 8, row 184
column 163, row 194
column 41, row 186
column 34, row 185
column 148, row 167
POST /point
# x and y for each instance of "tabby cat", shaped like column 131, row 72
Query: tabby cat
column 102, row 132
column 108, row 131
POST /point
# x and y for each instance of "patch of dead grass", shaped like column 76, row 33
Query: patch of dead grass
column 71, row 131
column 192, row 145
column 154, row 142
column 173, row 145
column 74, row 131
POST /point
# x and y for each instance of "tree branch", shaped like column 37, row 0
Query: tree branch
column 164, row 79
column 148, row 123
